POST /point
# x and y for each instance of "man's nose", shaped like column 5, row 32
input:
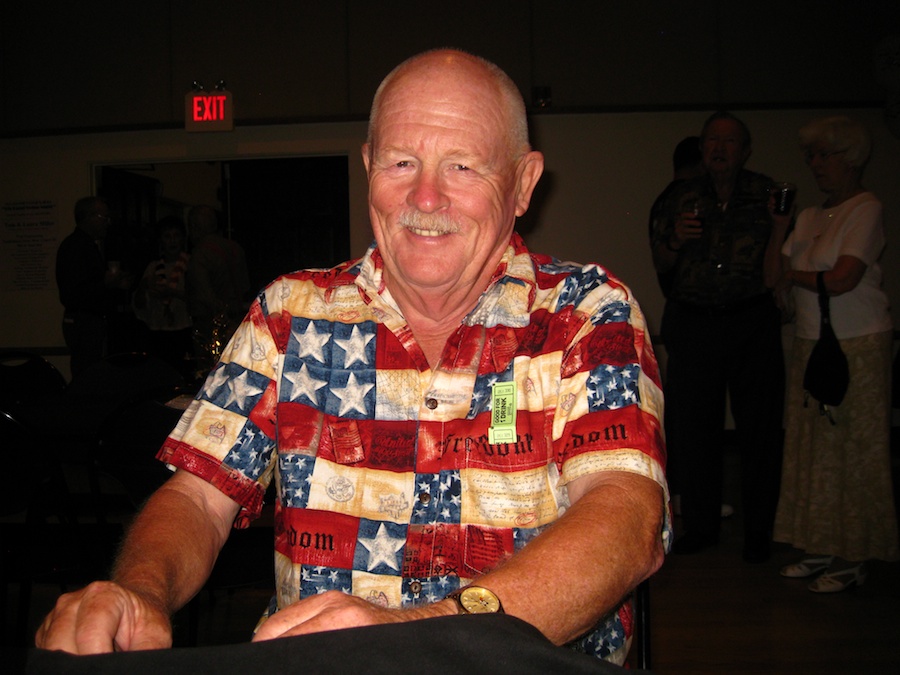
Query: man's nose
column 427, row 192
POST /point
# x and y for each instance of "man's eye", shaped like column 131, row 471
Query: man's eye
column 402, row 164
column 460, row 167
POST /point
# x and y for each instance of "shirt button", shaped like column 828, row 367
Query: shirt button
column 431, row 403
column 424, row 497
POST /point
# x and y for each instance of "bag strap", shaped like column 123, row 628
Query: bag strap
column 824, row 308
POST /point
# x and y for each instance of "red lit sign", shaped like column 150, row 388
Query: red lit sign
column 208, row 111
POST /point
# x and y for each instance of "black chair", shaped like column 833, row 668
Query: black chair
column 104, row 386
column 91, row 422
column 26, row 379
column 127, row 443
column 642, row 625
column 40, row 542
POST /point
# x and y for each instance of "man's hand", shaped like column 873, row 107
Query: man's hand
column 104, row 617
column 689, row 225
column 334, row 610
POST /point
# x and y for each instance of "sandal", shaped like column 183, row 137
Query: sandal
column 835, row 582
column 806, row 567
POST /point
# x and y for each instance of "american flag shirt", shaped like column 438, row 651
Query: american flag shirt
column 387, row 484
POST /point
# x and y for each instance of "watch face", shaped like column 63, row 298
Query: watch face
column 476, row 600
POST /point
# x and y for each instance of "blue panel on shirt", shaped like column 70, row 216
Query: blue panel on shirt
column 310, row 340
column 612, row 387
column 351, row 394
column 295, row 470
column 481, row 393
column 379, row 547
column 427, row 590
column 251, row 452
column 317, row 579
column 444, row 492
column 578, row 285
column 234, row 388
column 614, row 312
column 353, row 346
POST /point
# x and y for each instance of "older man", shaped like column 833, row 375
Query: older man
column 722, row 334
column 454, row 425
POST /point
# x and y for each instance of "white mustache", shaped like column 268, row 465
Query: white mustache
column 428, row 223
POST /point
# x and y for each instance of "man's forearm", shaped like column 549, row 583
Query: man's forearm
column 582, row 567
column 173, row 543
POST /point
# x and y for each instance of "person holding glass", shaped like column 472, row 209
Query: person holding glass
column 836, row 501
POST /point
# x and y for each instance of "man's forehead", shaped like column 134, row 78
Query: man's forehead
column 724, row 128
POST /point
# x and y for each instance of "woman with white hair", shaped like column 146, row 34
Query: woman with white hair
column 836, row 501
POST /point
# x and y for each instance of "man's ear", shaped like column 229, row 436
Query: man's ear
column 366, row 157
column 528, row 172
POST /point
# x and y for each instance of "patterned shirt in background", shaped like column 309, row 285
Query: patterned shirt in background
column 725, row 265
column 387, row 485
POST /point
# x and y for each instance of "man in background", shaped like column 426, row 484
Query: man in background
column 722, row 332
column 85, row 281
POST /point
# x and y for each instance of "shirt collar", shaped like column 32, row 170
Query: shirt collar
column 507, row 299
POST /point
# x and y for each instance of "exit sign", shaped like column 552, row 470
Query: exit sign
column 208, row 111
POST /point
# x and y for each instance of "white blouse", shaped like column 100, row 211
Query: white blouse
column 819, row 238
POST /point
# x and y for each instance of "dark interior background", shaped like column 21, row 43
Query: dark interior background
column 101, row 64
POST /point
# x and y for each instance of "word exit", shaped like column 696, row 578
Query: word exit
column 208, row 112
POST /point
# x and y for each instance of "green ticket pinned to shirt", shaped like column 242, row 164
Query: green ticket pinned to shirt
column 503, row 416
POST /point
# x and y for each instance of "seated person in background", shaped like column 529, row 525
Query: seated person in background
column 449, row 412
column 160, row 300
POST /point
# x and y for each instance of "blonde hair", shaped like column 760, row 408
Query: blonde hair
column 839, row 133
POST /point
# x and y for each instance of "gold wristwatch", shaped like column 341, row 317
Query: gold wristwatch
column 476, row 600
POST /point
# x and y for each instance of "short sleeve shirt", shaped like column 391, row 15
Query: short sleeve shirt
column 820, row 237
column 725, row 265
column 392, row 482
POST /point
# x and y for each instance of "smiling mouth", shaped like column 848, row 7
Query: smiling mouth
column 427, row 233
column 428, row 224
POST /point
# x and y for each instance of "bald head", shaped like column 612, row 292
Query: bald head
column 449, row 67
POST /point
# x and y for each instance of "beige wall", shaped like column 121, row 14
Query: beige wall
column 603, row 172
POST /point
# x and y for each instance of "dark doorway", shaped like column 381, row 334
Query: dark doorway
column 288, row 214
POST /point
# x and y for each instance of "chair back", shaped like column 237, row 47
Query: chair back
column 27, row 379
column 127, row 444
column 13, row 444
column 107, row 385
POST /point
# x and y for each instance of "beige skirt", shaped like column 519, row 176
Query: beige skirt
column 836, row 491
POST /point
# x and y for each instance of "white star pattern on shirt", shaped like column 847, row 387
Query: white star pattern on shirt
column 355, row 347
column 239, row 390
column 382, row 548
column 353, row 397
column 216, row 380
column 304, row 384
column 311, row 341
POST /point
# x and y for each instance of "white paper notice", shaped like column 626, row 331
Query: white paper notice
column 28, row 242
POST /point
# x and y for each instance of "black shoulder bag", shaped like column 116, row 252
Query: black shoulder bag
column 827, row 374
